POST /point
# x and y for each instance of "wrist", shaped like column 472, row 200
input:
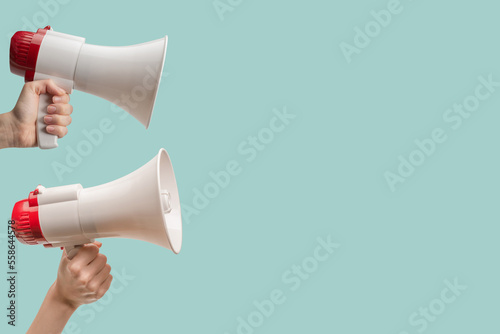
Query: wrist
column 7, row 138
column 59, row 302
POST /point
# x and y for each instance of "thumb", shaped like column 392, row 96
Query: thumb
column 97, row 243
column 46, row 87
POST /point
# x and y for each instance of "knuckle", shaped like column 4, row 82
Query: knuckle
column 93, row 287
column 94, row 249
column 61, row 131
column 103, row 257
column 94, row 253
column 30, row 86
column 75, row 270
column 101, row 293
column 82, row 280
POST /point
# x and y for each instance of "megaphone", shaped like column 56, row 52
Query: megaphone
column 127, row 76
column 143, row 205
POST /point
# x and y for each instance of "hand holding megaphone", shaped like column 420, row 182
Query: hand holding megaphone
column 127, row 76
column 81, row 280
column 23, row 117
column 85, row 277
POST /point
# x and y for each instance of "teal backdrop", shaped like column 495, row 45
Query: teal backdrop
column 362, row 139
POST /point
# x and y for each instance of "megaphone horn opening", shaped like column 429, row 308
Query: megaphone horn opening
column 158, row 80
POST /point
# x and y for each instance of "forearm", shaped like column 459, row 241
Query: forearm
column 52, row 316
column 6, row 131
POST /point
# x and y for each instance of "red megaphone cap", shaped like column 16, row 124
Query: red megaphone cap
column 26, row 224
column 24, row 48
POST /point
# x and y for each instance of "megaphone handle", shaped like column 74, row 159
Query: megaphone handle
column 72, row 250
column 45, row 139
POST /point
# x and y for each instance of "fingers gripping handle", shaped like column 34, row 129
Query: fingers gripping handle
column 71, row 251
column 45, row 139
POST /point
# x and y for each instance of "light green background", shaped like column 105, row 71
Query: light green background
column 323, row 175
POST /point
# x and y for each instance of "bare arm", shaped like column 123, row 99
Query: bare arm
column 82, row 280
column 53, row 314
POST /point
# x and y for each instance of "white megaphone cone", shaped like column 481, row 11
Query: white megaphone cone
column 143, row 205
column 128, row 76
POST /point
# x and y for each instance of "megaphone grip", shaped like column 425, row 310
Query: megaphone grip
column 71, row 251
column 45, row 139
